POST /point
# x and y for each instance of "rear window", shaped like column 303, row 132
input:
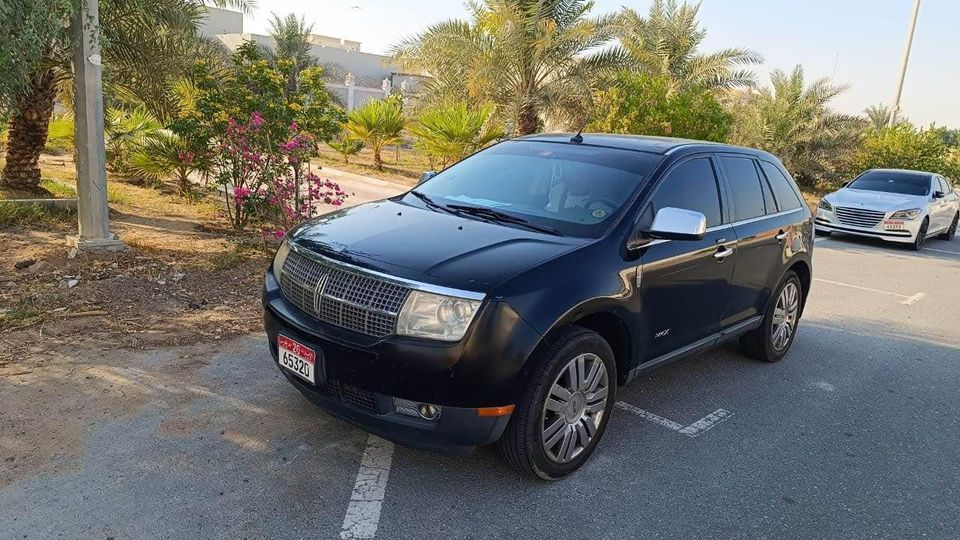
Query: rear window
column 745, row 188
column 575, row 189
column 783, row 191
column 904, row 183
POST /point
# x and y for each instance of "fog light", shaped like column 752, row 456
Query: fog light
column 428, row 412
column 413, row 408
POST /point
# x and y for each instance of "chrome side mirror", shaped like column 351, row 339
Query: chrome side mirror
column 671, row 224
column 426, row 176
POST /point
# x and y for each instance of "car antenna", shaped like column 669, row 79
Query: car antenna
column 578, row 138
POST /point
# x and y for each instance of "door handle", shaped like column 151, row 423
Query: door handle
column 723, row 253
column 781, row 236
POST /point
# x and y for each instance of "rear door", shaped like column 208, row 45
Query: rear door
column 683, row 284
column 944, row 206
column 761, row 230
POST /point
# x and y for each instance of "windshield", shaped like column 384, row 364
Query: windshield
column 905, row 183
column 576, row 190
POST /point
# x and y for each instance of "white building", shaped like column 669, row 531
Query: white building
column 353, row 77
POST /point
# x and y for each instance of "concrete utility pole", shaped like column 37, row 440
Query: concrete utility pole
column 92, row 210
column 895, row 110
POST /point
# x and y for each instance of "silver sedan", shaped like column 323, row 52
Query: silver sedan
column 894, row 205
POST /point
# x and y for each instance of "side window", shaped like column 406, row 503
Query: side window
column 692, row 185
column 767, row 195
column 783, row 191
column 744, row 188
column 943, row 185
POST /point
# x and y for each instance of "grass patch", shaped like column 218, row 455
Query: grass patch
column 18, row 315
column 25, row 215
column 58, row 189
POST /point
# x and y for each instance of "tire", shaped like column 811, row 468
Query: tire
column 921, row 235
column 762, row 343
column 522, row 444
column 950, row 233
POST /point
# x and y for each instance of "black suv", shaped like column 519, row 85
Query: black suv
column 505, row 298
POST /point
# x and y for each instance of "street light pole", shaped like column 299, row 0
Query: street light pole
column 92, row 211
column 895, row 110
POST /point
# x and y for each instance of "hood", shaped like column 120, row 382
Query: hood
column 875, row 200
column 429, row 246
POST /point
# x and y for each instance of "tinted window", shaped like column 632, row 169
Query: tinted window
column 943, row 185
column 905, row 183
column 783, row 191
column 575, row 189
column 768, row 197
column 692, row 185
column 745, row 188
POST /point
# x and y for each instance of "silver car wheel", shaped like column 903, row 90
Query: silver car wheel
column 785, row 316
column 575, row 407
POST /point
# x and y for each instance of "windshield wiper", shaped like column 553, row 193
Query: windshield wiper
column 502, row 217
column 432, row 203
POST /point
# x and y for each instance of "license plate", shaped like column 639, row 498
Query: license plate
column 297, row 358
column 893, row 225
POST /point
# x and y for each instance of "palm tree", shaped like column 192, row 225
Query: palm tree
column 878, row 116
column 377, row 123
column 667, row 43
column 452, row 131
column 163, row 154
column 794, row 121
column 530, row 58
column 346, row 146
column 126, row 132
column 145, row 45
column 291, row 41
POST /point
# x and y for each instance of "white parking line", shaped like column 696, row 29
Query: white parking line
column 366, row 501
column 913, row 298
column 694, row 429
column 908, row 299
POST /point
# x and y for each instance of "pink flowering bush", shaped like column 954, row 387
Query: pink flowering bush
column 269, row 188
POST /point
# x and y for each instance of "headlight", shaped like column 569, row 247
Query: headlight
column 906, row 214
column 824, row 205
column 280, row 258
column 436, row 316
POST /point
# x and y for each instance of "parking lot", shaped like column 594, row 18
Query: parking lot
column 855, row 434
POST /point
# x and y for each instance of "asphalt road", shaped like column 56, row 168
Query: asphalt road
column 854, row 434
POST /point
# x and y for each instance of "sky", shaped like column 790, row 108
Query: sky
column 859, row 43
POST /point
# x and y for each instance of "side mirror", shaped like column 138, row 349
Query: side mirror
column 847, row 183
column 939, row 194
column 426, row 176
column 671, row 224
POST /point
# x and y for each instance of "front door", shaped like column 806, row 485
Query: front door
column 683, row 284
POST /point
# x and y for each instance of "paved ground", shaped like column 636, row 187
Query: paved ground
column 855, row 434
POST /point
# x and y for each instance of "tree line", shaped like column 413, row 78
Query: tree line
column 513, row 67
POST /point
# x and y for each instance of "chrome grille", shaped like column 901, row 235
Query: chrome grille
column 859, row 217
column 348, row 299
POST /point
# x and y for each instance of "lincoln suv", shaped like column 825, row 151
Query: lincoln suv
column 505, row 299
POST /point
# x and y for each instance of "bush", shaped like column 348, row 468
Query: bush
column 906, row 147
column 60, row 135
column 452, row 131
column 645, row 105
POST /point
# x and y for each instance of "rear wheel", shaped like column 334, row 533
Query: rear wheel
column 771, row 341
column 565, row 409
column 950, row 233
column 921, row 235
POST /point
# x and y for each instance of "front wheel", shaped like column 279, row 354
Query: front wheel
column 950, row 233
column 771, row 341
column 566, row 406
column 921, row 235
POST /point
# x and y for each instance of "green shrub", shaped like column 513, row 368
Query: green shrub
column 60, row 135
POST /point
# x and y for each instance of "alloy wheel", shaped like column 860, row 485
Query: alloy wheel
column 785, row 316
column 574, row 409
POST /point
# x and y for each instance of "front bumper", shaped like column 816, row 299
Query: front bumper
column 826, row 221
column 365, row 376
